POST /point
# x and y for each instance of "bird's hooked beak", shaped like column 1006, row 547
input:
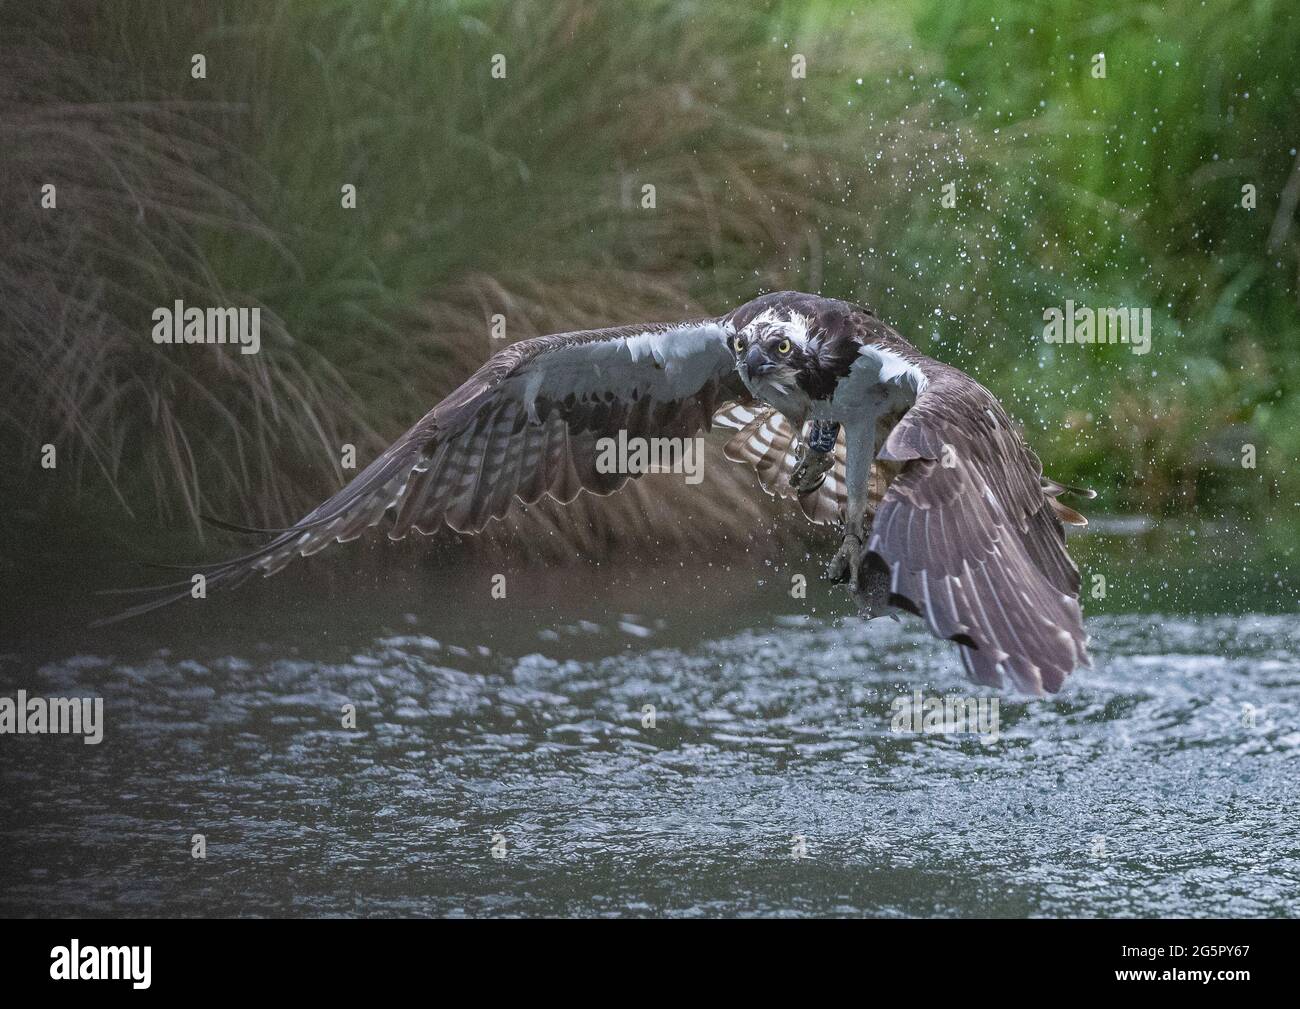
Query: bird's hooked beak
column 756, row 362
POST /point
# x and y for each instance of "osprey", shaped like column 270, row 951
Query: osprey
column 944, row 511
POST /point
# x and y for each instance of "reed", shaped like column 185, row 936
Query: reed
column 522, row 196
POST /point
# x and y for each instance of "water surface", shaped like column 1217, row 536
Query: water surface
column 1161, row 782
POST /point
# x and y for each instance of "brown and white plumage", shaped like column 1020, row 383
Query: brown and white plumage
column 524, row 425
column 768, row 443
column 975, row 546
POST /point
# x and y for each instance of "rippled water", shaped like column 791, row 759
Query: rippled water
column 1162, row 782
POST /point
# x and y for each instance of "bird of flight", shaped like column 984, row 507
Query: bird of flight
column 944, row 510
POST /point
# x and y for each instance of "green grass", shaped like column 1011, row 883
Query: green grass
column 521, row 196
column 1128, row 193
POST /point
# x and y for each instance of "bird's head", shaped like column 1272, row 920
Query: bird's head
column 773, row 351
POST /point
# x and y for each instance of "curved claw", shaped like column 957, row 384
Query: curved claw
column 846, row 565
column 811, row 471
column 868, row 584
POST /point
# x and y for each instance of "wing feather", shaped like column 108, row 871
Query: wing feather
column 526, row 424
column 976, row 547
column 767, row 442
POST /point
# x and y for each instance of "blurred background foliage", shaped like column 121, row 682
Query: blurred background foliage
column 522, row 196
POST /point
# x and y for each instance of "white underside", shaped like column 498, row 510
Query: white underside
column 878, row 382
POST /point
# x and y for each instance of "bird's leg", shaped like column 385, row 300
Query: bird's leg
column 846, row 565
column 817, row 458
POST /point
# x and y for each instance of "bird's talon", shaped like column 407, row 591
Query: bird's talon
column 846, row 565
column 810, row 473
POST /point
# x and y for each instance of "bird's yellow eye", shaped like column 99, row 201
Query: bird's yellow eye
column 783, row 347
column 738, row 344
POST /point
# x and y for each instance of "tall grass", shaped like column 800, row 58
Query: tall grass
column 475, row 196
column 136, row 207
column 522, row 196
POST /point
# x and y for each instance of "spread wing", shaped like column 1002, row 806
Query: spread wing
column 973, row 541
column 525, row 424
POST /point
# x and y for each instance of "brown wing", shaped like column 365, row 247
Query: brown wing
column 972, row 541
column 525, row 424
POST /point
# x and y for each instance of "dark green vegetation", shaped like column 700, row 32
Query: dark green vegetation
column 522, row 196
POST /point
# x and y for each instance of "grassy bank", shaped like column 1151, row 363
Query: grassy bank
column 523, row 196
